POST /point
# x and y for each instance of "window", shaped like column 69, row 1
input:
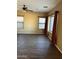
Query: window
column 20, row 22
column 41, row 23
column 51, row 21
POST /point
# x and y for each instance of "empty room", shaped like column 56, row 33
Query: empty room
column 39, row 29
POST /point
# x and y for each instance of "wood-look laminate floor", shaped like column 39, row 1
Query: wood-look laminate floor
column 36, row 47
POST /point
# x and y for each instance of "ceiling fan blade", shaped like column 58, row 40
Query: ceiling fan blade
column 30, row 10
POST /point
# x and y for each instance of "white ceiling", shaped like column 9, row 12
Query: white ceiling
column 37, row 5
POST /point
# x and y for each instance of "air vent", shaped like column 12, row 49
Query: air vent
column 45, row 6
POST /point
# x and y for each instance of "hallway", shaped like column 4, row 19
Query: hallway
column 36, row 47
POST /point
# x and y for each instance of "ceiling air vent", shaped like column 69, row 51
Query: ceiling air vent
column 45, row 6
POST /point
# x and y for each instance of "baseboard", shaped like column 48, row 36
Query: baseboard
column 28, row 33
column 49, row 38
column 58, row 48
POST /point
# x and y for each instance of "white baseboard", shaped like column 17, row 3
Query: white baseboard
column 58, row 48
column 49, row 38
column 28, row 33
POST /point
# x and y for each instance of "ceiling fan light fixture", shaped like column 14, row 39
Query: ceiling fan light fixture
column 24, row 7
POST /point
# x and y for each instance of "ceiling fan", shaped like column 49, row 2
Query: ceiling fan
column 26, row 8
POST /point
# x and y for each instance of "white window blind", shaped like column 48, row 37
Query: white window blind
column 51, row 21
column 42, row 23
column 20, row 22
